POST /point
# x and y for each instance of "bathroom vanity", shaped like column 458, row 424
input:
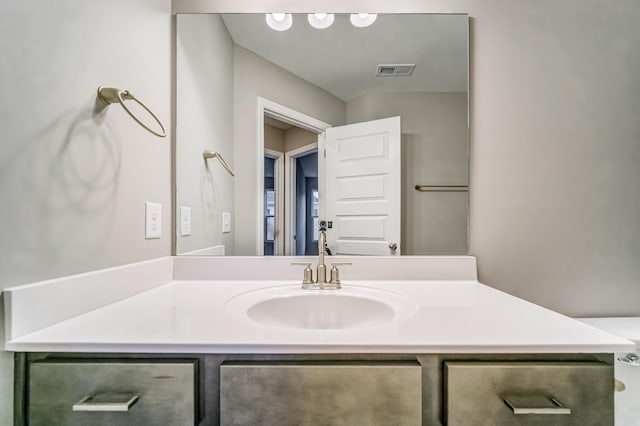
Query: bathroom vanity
column 412, row 340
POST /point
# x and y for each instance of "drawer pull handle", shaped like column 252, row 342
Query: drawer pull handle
column 535, row 405
column 630, row 359
column 106, row 402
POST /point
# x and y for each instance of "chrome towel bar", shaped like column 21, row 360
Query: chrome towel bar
column 441, row 188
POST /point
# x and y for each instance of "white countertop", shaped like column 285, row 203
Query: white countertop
column 180, row 305
column 626, row 327
column 189, row 316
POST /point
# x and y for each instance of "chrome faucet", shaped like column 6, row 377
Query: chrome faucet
column 320, row 282
column 321, row 269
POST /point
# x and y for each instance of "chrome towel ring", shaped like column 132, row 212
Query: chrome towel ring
column 111, row 95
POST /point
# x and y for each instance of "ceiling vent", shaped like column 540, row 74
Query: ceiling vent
column 395, row 70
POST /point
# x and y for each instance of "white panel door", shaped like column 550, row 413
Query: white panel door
column 362, row 187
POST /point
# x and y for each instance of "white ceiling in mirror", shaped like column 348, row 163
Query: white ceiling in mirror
column 436, row 44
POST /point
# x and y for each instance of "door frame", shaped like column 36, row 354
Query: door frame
column 278, row 183
column 290, row 158
column 289, row 116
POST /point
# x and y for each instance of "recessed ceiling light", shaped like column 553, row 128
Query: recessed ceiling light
column 279, row 21
column 362, row 20
column 320, row 20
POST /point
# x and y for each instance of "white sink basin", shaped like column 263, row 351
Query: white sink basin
column 292, row 307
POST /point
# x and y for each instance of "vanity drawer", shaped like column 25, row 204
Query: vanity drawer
column 315, row 394
column 114, row 393
column 528, row 393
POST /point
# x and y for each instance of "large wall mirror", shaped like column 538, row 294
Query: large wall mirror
column 365, row 127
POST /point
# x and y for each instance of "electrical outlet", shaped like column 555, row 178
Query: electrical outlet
column 153, row 222
column 226, row 222
column 185, row 221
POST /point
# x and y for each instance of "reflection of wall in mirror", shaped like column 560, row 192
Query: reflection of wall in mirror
column 203, row 117
column 435, row 151
column 255, row 76
column 285, row 140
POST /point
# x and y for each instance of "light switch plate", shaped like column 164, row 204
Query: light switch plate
column 153, row 222
column 226, row 222
column 185, row 221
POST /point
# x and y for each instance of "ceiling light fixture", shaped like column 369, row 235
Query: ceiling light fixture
column 362, row 20
column 320, row 20
column 279, row 21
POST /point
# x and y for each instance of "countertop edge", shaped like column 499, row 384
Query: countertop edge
column 175, row 349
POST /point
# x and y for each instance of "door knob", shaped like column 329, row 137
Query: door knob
column 393, row 246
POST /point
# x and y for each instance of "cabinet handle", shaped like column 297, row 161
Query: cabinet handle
column 535, row 405
column 630, row 359
column 106, row 402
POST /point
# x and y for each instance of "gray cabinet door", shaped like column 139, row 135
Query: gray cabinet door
column 321, row 394
column 112, row 393
column 526, row 393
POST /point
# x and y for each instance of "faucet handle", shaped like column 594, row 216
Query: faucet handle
column 308, row 272
column 335, row 272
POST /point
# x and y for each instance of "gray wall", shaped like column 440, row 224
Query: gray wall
column 296, row 137
column 287, row 140
column 204, row 113
column 253, row 77
column 555, row 157
column 273, row 138
column 435, row 151
column 73, row 184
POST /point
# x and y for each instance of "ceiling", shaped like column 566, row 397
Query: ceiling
column 342, row 59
